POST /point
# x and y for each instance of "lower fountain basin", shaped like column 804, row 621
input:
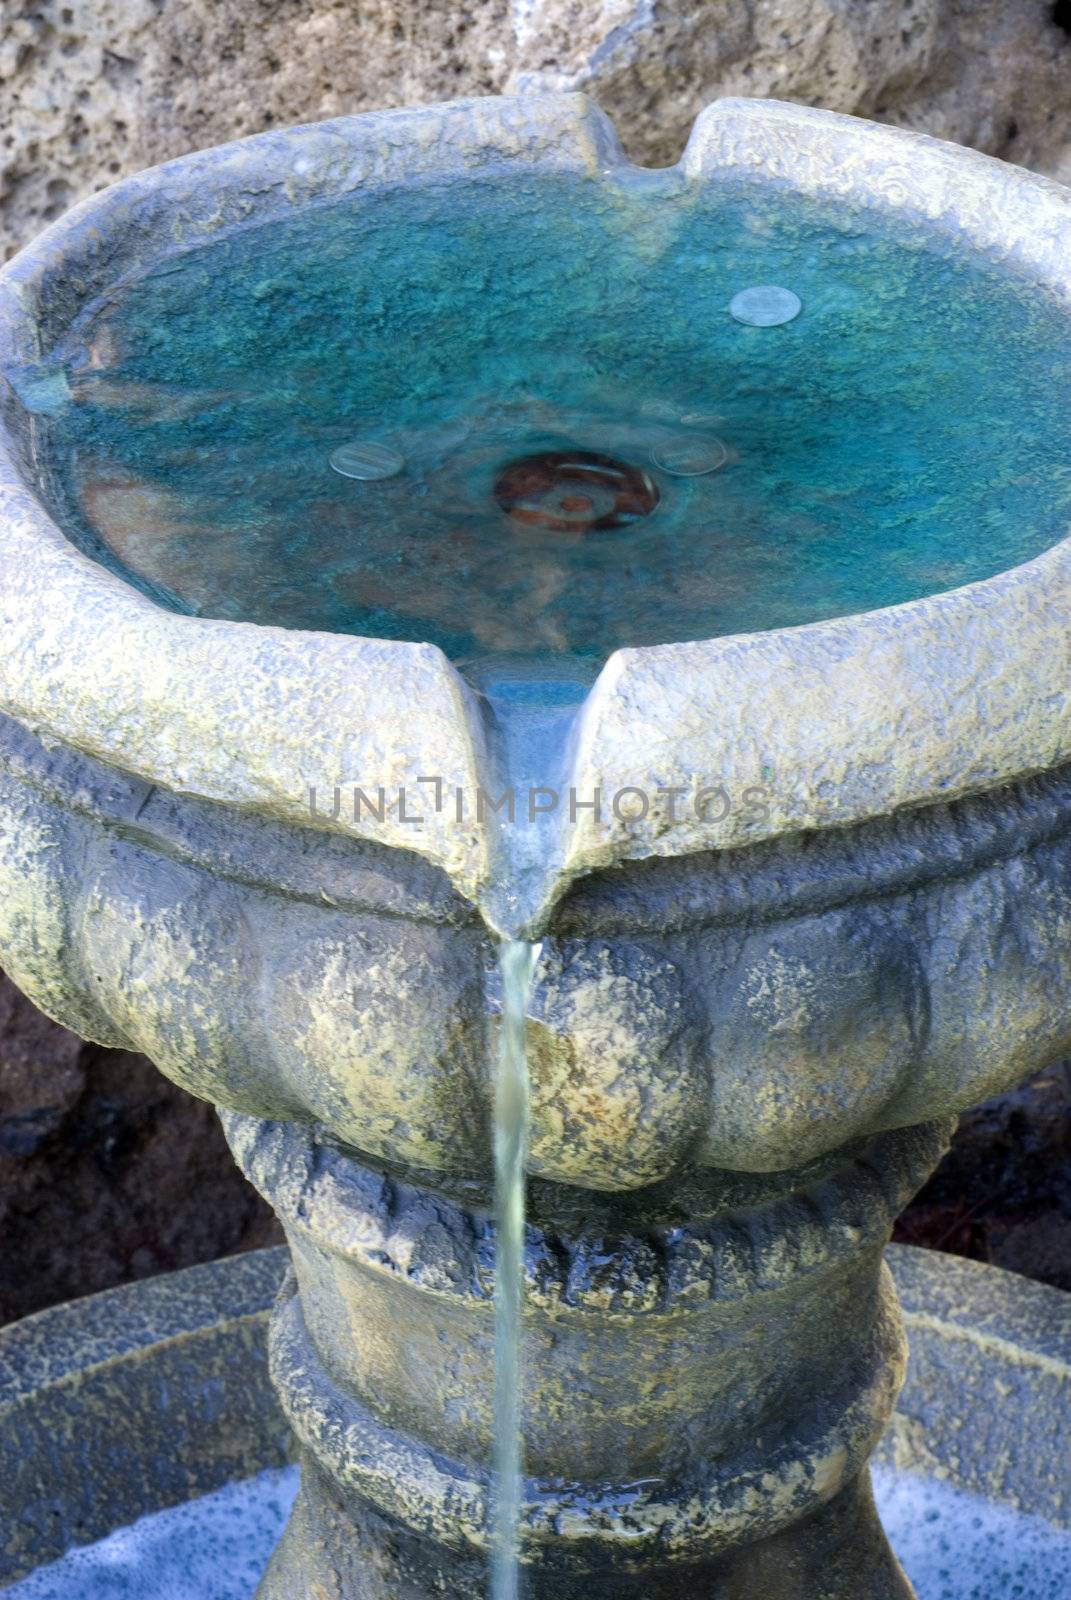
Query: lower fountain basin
column 151, row 1405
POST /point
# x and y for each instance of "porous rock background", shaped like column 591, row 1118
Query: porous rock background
column 92, row 89
column 107, row 1172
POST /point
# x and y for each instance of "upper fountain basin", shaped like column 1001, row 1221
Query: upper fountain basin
column 861, row 607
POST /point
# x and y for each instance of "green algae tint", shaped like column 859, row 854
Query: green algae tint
column 908, row 432
column 465, row 347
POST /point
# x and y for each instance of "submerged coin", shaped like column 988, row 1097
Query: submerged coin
column 366, row 459
column 765, row 306
column 691, row 457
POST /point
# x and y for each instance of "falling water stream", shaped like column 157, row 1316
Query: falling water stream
column 533, row 421
column 517, row 960
column 532, row 708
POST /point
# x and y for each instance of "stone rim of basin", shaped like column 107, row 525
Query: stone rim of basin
column 837, row 721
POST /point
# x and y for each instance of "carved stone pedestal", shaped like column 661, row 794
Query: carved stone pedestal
column 707, row 1367
column 744, row 1018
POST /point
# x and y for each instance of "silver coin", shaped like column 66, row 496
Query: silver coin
column 691, row 457
column 366, row 459
column 765, row 306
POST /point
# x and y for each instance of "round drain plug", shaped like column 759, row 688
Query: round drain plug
column 575, row 491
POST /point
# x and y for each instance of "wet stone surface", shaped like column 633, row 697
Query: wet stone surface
column 954, row 1546
column 109, row 1173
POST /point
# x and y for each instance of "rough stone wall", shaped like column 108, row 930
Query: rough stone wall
column 93, row 89
column 107, row 1171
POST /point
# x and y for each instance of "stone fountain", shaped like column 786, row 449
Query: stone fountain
column 799, row 884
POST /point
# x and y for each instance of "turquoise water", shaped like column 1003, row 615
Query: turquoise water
column 908, row 432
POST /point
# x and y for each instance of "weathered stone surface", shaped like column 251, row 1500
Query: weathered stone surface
column 653, row 1360
column 856, row 716
column 749, row 1010
column 832, row 982
column 986, row 1405
column 983, row 74
column 1003, row 1347
column 91, row 91
column 122, row 1403
column 749, row 1291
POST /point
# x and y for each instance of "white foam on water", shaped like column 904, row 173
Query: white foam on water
column 953, row 1545
column 957, row 1546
